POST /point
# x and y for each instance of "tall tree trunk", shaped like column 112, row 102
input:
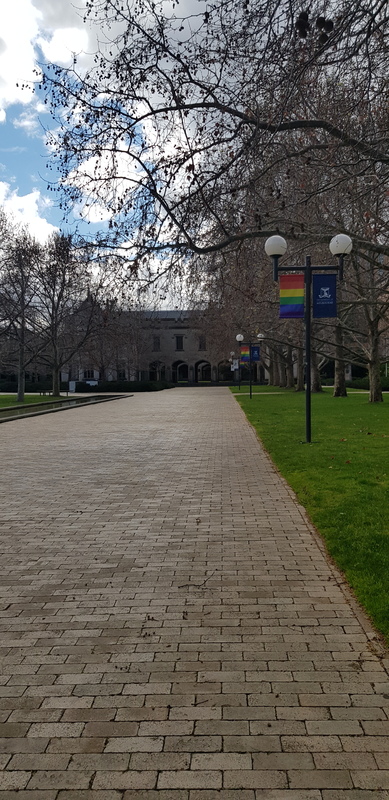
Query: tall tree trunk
column 315, row 374
column 21, row 369
column 375, row 394
column 282, row 371
column 340, row 366
column 289, row 368
column 56, row 382
column 300, row 370
column 276, row 369
column 374, row 366
column 270, row 367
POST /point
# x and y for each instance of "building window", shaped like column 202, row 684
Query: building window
column 202, row 343
column 121, row 373
column 156, row 343
column 89, row 374
column 179, row 342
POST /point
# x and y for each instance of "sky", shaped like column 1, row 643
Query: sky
column 32, row 31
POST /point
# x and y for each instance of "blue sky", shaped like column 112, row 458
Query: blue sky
column 31, row 31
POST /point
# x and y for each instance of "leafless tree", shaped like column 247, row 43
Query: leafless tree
column 180, row 112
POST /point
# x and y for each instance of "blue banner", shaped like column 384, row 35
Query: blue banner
column 255, row 354
column 324, row 295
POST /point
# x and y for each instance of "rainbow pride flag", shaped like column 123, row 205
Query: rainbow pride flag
column 291, row 296
column 244, row 354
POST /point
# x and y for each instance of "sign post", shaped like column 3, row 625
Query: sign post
column 324, row 297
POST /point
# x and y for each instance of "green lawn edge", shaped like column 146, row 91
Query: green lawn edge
column 341, row 479
column 9, row 400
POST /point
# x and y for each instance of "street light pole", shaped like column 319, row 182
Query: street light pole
column 276, row 247
column 308, row 288
column 239, row 338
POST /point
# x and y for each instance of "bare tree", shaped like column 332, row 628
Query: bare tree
column 18, row 299
column 181, row 112
column 67, row 298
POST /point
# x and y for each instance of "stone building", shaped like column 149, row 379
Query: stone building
column 175, row 348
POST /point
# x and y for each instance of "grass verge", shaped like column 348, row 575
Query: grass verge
column 11, row 400
column 342, row 479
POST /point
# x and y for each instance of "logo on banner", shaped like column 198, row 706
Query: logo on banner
column 324, row 296
column 255, row 354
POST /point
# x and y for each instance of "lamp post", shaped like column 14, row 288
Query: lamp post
column 260, row 337
column 275, row 248
column 231, row 359
column 239, row 338
column 253, row 356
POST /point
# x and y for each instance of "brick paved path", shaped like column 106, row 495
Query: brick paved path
column 171, row 629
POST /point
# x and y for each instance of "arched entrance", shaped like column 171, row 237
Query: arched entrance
column 179, row 372
column 202, row 372
column 224, row 371
column 157, row 371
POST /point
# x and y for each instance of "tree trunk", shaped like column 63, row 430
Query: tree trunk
column 340, row 374
column 300, row 370
column 289, row 368
column 374, row 367
column 270, row 367
column 375, row 395
column 56, row 382
column 21, row 369
column 315, row 374
column 282, row 372
column 276, row 369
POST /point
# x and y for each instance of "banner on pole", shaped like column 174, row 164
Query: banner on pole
column 244, row 354
column 255, row 352
column 324, row 295
column 291, row 296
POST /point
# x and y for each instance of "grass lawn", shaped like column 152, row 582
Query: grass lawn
column 342, row 479
column 10, row 400
column 258, row 389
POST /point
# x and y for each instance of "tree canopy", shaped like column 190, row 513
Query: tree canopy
column 238, row 120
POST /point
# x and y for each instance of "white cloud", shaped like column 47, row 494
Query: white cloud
column 63, row 44
column 26, row 210
column 56, row 26
column 19, row 27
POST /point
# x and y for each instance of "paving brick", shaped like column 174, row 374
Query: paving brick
column 190, row 780
column 214, row 761
column 369, row 779
column 28, row 795
column 193, row 744
column 88, row 795
column 254, row 779
column 160, row 761
column 288, row 794
column 134, row 744
column 144, row 779
column 55, row 729
column 284, row 761
column 320, row 779
column 69, row 745
column 223, row 794
column 170, row 794
column 56, row 779
column 14, row 780
column 38, row 761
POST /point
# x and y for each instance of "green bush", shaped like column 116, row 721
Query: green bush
column 358, row 383
column 363, row 383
